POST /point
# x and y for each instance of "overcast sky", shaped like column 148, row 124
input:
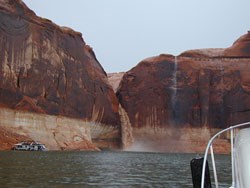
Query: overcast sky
column 124, row 32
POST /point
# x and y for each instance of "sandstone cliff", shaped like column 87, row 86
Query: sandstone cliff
column 54, row 90
column 49, row 69
column 173, row 103
column 114, row 79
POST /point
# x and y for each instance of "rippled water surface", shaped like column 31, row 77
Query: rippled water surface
column 101, row 169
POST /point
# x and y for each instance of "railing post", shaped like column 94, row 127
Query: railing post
column 214, row 167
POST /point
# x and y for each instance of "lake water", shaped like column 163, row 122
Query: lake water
column 101, row 169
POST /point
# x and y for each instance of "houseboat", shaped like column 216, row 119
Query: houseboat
column 29, row 146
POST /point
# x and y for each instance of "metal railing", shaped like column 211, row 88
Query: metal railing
column 209, row 146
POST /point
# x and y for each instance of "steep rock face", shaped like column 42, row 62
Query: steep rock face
column 49, row 69
column 199, row 90
column 114, row 79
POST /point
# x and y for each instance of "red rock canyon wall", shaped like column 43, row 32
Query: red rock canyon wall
column 177, row 99
column 49, row 69
column 53, row 88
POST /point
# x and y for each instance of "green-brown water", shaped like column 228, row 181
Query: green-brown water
column 101, row 169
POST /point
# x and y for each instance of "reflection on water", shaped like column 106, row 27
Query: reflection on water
column 101, row 169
